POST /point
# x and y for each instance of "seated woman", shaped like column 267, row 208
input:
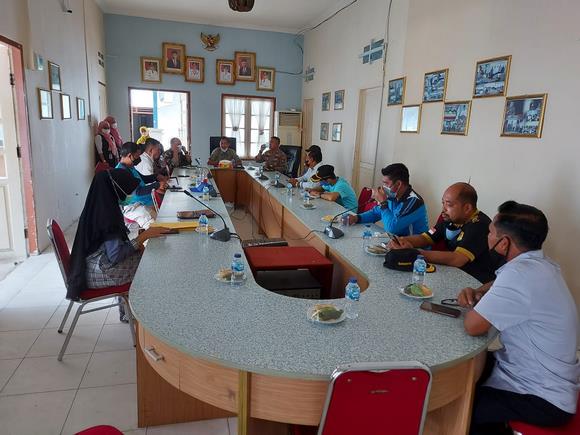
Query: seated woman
column 102, row 254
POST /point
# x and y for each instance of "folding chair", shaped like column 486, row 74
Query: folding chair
column 87, row 296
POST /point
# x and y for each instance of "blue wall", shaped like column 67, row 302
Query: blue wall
column 129, row 38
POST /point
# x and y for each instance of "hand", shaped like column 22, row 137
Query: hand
column 314, row 193
column 163, row 185
column 162, row 178
column 400, row 243
column 379, row 194
column 468, row 297
column 293, row 181
column 263, row 147
column 352, row 219
column 151, row 233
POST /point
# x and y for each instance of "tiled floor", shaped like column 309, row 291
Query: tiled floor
column 96, row 381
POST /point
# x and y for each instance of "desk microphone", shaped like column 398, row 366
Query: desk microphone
column 335, row 233
column 222, row 235
column 199, row 165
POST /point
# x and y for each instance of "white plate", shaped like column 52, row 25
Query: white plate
column 402, row 291
column 374, row 253
column 227, row 281
column 310, row 315
column 306, row 208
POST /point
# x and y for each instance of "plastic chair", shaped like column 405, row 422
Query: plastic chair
column 364, row 200
column 571, row 428
column 157, row 200
column 375, row 399
column 87, row 296
column 100, row 430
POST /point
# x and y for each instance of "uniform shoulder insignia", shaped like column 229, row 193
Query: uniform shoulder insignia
column 460, row 236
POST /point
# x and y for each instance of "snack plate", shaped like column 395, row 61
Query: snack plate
column 374, row 253
column 227, row 280
column 306, row 208
column 312, row 317
column 402, row 291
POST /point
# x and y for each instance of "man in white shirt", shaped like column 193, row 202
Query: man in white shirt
column 534, row 377
column 151, row 155
column 313, row 162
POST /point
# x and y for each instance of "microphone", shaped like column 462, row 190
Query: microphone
column 336, row 233
column 209, row 176
column 222, row 235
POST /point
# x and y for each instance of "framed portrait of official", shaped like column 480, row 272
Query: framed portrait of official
column 150, row 69
column 524, row 116
column 194, row 69
column 173, row 58
column 266, row 78
column 245, row 66
column 491, row 77
column 456, row 117
column 435, row 86
column 225, row 72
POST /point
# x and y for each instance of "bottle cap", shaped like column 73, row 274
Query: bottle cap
column 238, row 255
column 352, row 279
column 422, row 257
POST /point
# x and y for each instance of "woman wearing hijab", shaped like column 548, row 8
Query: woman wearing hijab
column 115, row 131
column 102, row 254
column 105, row 145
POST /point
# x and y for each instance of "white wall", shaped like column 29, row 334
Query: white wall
column 333, row 50
column 62, row 150
column 544, row 41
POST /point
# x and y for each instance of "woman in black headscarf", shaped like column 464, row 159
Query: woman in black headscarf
column 102, row 254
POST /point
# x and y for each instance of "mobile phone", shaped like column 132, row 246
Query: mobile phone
column 172, row 231
column 440, row 309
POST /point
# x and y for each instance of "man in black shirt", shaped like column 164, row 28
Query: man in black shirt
column 464, row 230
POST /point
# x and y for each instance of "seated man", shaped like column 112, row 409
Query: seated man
column 534, row 377
column 139, row 207
column 401, row 209
column 224, row 152
column 176, row 156
column 274, row 159
column 464, row 230
column 333, row 188
column 313, row 162
column 150, row 158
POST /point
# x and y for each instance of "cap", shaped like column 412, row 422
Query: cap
column 325, row 172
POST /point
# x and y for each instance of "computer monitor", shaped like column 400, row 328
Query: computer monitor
column 214, row 142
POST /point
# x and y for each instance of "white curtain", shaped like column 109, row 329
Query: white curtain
column 262, row 108
column 235, row 110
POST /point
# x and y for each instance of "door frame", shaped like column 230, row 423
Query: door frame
column 23, row 138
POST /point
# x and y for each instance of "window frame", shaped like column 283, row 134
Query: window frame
column 248, row 119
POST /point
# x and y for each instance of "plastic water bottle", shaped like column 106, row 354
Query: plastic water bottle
column 205, row 193
column 419, row 268
column 277, row 180
column 237, row 270
column 352, row 297
column 289, row 189
column 204, row 223
column 367, row 236
column 306, row 198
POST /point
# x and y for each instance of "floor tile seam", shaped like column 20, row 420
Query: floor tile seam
column 10, row 377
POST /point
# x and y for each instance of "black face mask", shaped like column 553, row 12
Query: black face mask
column 498, row 259
column 136, row 161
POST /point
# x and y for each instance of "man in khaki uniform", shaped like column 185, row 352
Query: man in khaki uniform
column 274, row 159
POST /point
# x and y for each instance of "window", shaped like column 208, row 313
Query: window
column 165, row 113
column 250, row 120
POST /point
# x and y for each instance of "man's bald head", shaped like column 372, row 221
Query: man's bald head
column 459, row 203
column 464, row 192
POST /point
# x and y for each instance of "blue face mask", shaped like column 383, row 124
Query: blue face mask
column 451, row 231
column 324, row 183
column 391, row 194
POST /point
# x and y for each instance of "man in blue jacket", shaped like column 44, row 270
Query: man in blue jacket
column 401, row 209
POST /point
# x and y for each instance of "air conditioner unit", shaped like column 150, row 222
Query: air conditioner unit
column 288, row 127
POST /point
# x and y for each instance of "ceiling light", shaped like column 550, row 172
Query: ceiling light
column 241, row 5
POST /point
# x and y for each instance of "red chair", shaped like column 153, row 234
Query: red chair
column 364, row 200
column 87, row 296
column 100, row 430
column 157, row 199
column 571, row 428
column 376, row 398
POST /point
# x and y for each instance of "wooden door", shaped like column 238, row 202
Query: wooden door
column 366, row 138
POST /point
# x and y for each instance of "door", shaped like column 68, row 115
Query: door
column 103, row 111
column 367, row 133
column 307, row 110
column 12, row 239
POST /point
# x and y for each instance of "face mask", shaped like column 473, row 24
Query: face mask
column 391, row 194
column 224, row 149
column 324, row 183
column 114, row 125
column 136, row 161
column 497, row 258
column 451, row 231
column 106, row 131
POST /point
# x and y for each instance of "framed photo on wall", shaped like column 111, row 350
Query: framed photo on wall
column 81, row 109
column 456, row 117
column 336, row 131
column 45, row 104
column 173, row 58
column 225, row 72
column 435, row 86
column 411, row 118
column 324, row 130
column 326, row 101
column 339, row 100
column 266, row 79
column 524, row 115
column 396, row 92
column 194, row 69
column 65, row 106
column 150, row 69
column 54, row 76
column 491, row 77
column 245, row 66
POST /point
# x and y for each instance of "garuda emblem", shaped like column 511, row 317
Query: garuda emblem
column 211, row 41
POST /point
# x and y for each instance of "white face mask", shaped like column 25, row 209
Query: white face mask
column 106, row 131
column 114, row 125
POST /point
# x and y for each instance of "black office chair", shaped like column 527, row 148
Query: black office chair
column 293, row 154
column 214, row 142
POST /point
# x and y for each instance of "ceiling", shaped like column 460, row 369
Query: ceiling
column 289, row 16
